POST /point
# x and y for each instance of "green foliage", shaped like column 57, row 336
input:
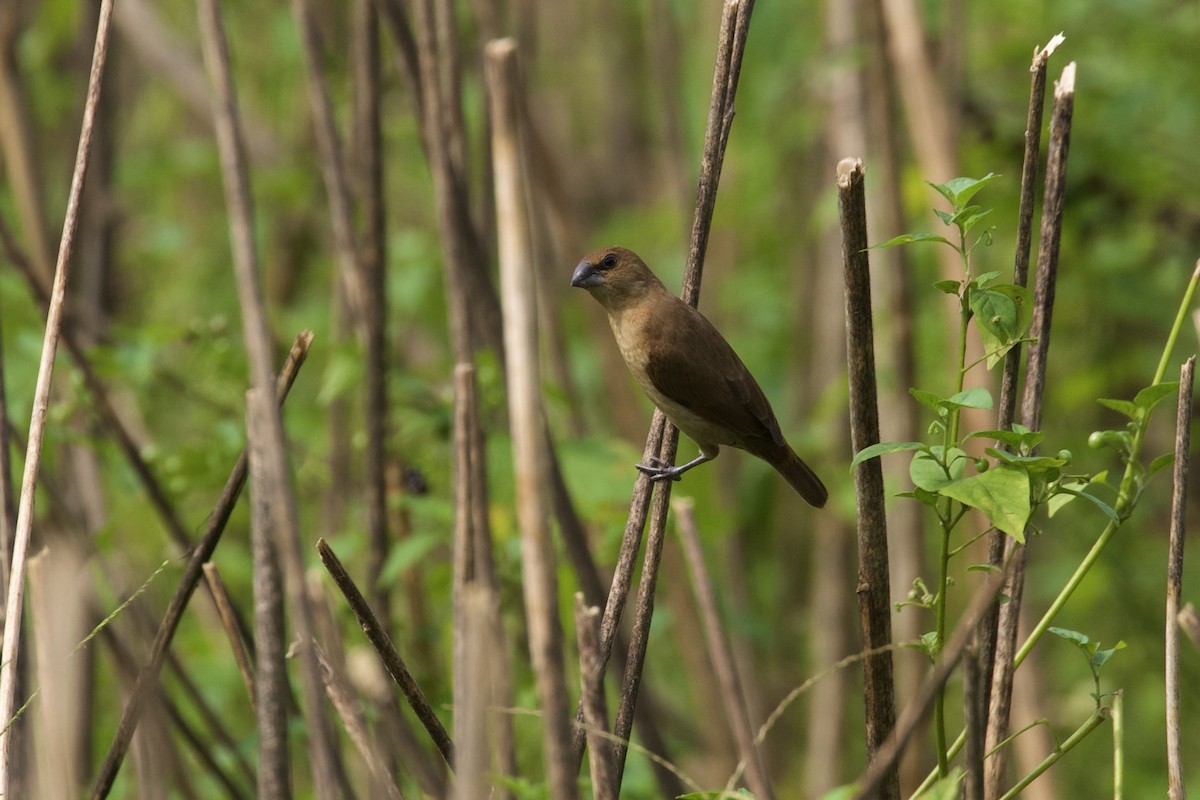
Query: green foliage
column 1096, row 658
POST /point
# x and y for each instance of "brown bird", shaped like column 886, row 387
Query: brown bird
column 688, row 370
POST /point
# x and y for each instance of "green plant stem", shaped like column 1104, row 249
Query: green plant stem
column 1092, row 722
column 939, row 700
column 1118, row 718
column 949, row 519
column 1123, row 507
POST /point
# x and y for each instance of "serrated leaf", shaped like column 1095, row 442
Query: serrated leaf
column 1161, row 463
column 1001, row 493
column 909, row 238
column 1120, row 406
column 1149, row 397
column 883, row 448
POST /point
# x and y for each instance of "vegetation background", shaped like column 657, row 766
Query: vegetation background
column 616, row 99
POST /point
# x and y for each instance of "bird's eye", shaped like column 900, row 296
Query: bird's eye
column 609, row 261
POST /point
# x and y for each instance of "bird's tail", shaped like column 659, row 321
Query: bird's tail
column 802, row 479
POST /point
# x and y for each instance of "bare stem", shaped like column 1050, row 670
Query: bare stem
column 874, row 589
column 1183, row 438
column 41, row 401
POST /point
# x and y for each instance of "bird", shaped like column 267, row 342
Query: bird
column 688, row 370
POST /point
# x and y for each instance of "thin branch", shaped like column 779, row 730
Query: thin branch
column 1031, row 415
column 382, row 643
column 595, row 713
column 530, row 459
column 207, row 545
column 332, row 169
column 233, row 632
column 888, row 754
column 1189, row 620
column 874, row 590
column 1012, row 361
column 1183, row 440
column 346, row 705
column 41, row 401
column 720, row 652
column 659, row 442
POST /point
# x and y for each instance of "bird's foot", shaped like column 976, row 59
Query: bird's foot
column 660, row 470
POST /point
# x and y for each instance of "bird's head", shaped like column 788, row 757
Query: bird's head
column 615, row 276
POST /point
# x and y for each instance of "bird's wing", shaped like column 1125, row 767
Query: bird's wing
column 693, row 365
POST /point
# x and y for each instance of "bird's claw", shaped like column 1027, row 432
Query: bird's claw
column 660, row 470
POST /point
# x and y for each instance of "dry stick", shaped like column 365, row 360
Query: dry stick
column 8, row 507
column 1012, row 361
column 530, row 460
column 217, row 520
column 342, row 698
column 202, row 749
column 874, row 592
column 1189, row 620
column 1031, row 417
column 883, row 767
column 720, row 652
column 1183, row 439
column 41, row 401
column 595, row 713
column 379, row 639
column 660, row 444
column 229, row 621
column 474, row 310
column 975, row 712
column 199, row 555
column 475, row 657
column 369, row 152
column 332, row 170
column 326, row 766
column 473, row 557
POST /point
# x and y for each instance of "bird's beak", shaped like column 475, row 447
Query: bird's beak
column 586, row 276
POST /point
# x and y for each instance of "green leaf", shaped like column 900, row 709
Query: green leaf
column 1074, row 636
column 1034, row 465
column 927, row 399
column 1100, row 657
column 983, row 568
column 975, row 397
column 968, row 221
column 1121, row 406
column 1149, row 397
column 846, row 792
column 927, row 472
column 407, row 552
column 948, row 286
column 982, row 279
column 1069, row 494
column 960, row 190
column 1001, row 493
column 1014, row 439
column 1161, row 463
column 883, row 448
column 995, row 312
column 946, row 789
column 909, row 238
